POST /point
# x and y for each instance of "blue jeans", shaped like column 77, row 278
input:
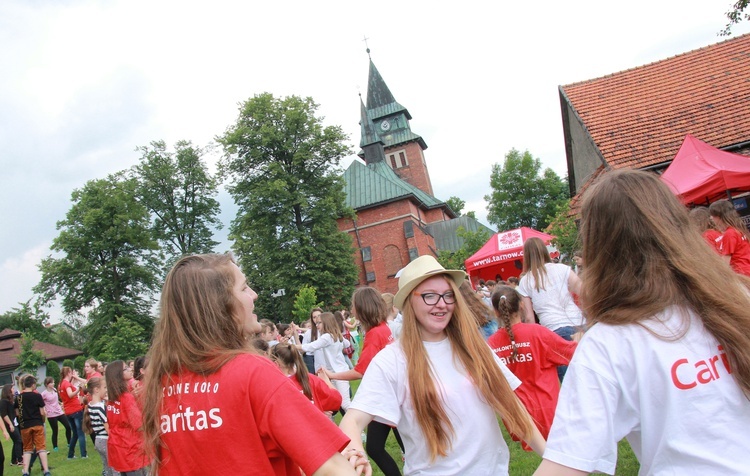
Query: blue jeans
column 76, row 427
column 567, row 334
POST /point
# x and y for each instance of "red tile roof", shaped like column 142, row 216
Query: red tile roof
column 640, row 117
column 10, row 347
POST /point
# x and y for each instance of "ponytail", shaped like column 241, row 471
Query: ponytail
column 290, row 358
column 507, row 302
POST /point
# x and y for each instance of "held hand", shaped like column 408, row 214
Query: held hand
column 323, row 374
column 358, row 460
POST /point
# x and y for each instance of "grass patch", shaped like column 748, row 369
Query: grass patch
column 58, row 460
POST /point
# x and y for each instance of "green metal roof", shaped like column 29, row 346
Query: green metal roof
column 444, row 232
column 376, row 183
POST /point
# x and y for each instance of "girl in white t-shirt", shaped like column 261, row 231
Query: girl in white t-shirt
column 331, row 344
column 440, row 384
column 546, row 288
column 666, row 360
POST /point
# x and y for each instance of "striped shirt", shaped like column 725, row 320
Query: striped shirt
column 98, row 416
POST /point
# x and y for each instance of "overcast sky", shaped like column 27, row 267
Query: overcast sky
column 83, row 83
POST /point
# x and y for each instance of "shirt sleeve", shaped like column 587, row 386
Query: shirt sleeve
column 327, row 398
column 378, row 394
column 729, row 242
column 521, row 288
column 322, row 341
column 591, row 417
column 557, row 351
column 277, row 396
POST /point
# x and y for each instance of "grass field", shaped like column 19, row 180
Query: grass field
column 61, row 465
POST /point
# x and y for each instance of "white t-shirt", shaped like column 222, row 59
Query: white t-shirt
column 478, row 445
column 554, row 305
column 675, row 401
column 328, row 353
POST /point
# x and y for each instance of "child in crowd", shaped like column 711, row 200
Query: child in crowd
column 440, row 384
column 244, row 414
column 95, row 420
column 331, row 344
column 311, row 334
column 665, row 362
column 268, row 332
column 532, row 352
column 8, row 413
column 479, row 308
column 125, row 451
column 372, row 311
column 69, row 394
column 31, row 415
column 733, row 244
column 54, row 411
column 319, row 390
column 140, row 365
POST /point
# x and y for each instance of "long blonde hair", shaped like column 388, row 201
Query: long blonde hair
column 535, row 256
column 331, row 326
column 473, row 353
column 643, row 255
column 200, row 329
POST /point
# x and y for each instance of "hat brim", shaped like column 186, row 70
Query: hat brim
column 399, row 299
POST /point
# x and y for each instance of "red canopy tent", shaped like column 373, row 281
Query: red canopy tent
column 502, row 255
column 701, row 173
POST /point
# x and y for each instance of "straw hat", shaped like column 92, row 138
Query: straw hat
column 419, row 270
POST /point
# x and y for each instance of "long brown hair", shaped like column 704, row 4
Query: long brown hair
column 199, row 330
column 92, row 384
column 507, row 302
column 643, row 255
column 480, row 310
column 116, row 384
column 535, row 256
column 331, row 326
column 473, row 353
column 313, row 326
column 724, row 210
column 369, row 306
column 290, row 358
column 701, row 219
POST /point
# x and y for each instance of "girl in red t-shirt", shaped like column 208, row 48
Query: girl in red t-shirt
column 125, row 449
column 733, row 244
column 319, row 390
column 532, row 352
column 211, row 399
column 69, row 394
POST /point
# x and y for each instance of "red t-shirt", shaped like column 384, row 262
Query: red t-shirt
column 325, row 398
column 734, row 244
column 72, row 404
column 538, row 353
column 375, row 339
column 125, row 445
column 711, row 237
column 241, row 414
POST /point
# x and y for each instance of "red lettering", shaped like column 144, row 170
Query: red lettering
column 704, row 372
column 724, row 359
column 676, row 380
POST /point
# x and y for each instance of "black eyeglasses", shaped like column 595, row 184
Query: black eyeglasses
column 432, row 299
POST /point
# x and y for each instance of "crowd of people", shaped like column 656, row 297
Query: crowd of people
column 646, row 340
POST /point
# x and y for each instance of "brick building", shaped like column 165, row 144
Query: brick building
column 391, row 192
column 638, row 118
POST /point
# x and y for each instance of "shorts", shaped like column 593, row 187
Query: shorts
column 33, row 438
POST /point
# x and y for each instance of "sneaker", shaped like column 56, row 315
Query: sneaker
column 72, row 457
column 55, row 448
column 47, row 473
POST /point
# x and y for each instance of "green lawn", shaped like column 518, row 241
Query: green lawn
column 61, row 466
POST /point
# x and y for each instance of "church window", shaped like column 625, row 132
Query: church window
column 370, row 276
column 398, row 159
column 392, row 260
column 413, row 254
column 408, row 229
column 366, row 254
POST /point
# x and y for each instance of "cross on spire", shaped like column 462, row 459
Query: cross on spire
column 366, row 46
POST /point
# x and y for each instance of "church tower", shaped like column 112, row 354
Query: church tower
column 385, row 121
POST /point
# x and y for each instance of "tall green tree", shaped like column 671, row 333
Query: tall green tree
column 282, row 168
column 456, row 204
column 107, row 262
column 29, row 360
column 30, row 319
column 472, row 241
column 565, row 229
column 735, row 15
column 179, row 191
column 520, row 195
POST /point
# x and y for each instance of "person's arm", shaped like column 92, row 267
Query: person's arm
column 350, row 326
column 528, row 310
column 71, row 393
column 574, row 283
column 338, row 464
column 536, row 441
column 352, row 425
column 550, row 468
column 345, row 375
